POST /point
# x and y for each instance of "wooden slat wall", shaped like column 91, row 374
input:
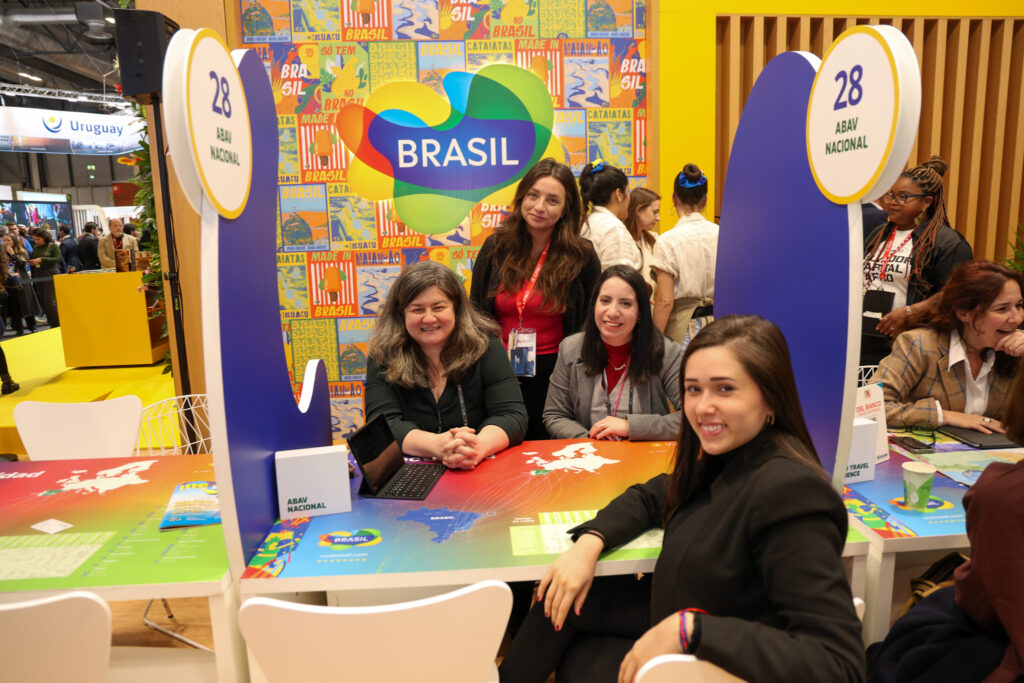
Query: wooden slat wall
column 972, row 112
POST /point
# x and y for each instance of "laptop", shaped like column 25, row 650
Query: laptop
column 976, row 439
column 386, row 474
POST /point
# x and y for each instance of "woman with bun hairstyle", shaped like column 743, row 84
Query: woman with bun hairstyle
column 619, row 377
column 684, row 261
column 641, row 217
column 911, row 255
column 605, row 193
column 957, row 370
column 536, row 273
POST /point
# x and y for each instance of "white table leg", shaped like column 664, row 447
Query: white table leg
column 881, row 568
column 232, row 666
column 858, row 576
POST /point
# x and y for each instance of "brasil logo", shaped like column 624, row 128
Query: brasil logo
column 52, row 123
column 342, row 540
column 437, row 159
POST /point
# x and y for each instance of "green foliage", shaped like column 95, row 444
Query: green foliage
column 1016, row 261
column 145, row 197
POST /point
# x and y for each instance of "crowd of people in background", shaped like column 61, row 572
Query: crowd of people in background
column 31, row 257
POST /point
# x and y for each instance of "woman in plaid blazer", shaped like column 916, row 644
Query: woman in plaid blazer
column 957, row 370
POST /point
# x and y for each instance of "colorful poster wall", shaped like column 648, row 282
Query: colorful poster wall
column 339, row 251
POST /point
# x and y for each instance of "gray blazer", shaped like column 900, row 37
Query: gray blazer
column 567, row 411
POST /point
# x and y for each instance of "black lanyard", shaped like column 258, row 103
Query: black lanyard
column 462, row 407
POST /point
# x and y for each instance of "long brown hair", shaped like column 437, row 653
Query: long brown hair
column 639, row 199
column 973, row 287
column 569, row 252
column 928, row 178
column 761, row 349
column 399, row 357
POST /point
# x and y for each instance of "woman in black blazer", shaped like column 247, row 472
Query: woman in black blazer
column 750, row 575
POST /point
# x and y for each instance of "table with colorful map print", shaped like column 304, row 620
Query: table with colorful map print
column 506, row 519
column 894, row 529
column 94, row 524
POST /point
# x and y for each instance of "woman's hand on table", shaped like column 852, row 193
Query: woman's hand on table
column 660, row 639
column 1012, row 344
column 978, row 423
column 566, row 583
column 610, row 428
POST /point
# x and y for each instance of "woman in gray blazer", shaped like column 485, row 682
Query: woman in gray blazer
column 619, row 378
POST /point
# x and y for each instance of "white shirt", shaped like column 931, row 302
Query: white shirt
column 897, row 270
column 976, row 394
column 688, row 251
column 611, row 240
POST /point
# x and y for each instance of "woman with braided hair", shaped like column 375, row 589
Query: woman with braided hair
column 912, row 255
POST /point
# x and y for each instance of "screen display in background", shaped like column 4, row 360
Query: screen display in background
column 46, row 215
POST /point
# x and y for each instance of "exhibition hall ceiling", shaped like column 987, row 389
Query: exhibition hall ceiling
column 54, row 45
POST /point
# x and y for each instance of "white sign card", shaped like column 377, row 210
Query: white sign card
column 312, row 481
column 871, row 406
column 861, row 464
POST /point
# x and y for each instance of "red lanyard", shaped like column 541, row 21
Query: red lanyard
column 526, row 292
column 889, row 253
column 622, row 384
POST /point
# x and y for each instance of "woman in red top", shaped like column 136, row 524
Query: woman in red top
column 536, row 273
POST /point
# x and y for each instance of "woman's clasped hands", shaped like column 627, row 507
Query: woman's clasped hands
column 461, row 448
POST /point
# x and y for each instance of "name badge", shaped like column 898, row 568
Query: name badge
column 522, row 351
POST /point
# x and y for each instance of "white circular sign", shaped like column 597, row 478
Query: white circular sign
column 863, row 113
column 207, row 121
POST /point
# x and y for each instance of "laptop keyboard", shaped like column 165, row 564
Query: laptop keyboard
column 412, row 482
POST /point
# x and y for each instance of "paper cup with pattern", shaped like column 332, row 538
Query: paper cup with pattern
column 917, row 484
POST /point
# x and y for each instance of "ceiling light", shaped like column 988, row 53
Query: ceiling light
column 30, row 76
column 109, row 20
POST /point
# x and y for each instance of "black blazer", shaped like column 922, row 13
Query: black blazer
column 760, row 550
column 485, row 284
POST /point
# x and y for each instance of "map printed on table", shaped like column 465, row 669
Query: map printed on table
column 879, row 504
column 513, row 510
column 960, row 462
column 81, row 523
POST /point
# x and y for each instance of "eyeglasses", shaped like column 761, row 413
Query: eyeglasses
column 926, row 434
column 901, row 198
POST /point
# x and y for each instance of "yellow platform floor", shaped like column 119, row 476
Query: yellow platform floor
column 36, row 362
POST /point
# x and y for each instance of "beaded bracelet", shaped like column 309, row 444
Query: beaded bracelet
column 684, row 640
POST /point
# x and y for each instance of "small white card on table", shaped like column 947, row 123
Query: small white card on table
column 312, row 481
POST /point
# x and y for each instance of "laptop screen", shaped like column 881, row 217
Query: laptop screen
column 376, row 453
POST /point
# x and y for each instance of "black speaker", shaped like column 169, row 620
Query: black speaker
column 142, row 38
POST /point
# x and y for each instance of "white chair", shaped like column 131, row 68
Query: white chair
column 675, row 668
column 449, row 638
column 65, row 431
column 859, row 606
column 864, row 373
column 67, row 638
column 60, row 638
column 175, row 425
